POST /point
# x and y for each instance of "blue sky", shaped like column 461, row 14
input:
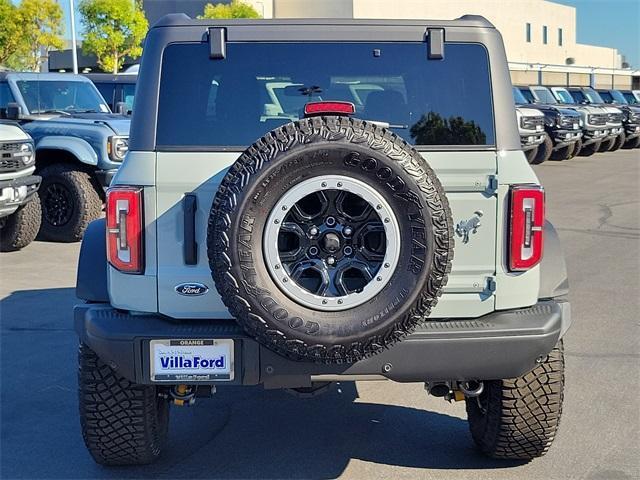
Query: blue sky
column 609, row 23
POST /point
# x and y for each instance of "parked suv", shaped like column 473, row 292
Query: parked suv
column 79, row 143
column 562, row 127
column 531, row 129
column 588, row 96
column 118, row 90
column 19, row 204
column 397, row 239
column 631, row 119
column 594, row 119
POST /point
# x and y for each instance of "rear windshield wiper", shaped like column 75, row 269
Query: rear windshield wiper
column 388, row 125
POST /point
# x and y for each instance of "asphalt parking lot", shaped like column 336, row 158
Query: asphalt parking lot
column 364, row 430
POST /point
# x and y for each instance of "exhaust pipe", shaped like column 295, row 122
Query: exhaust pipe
column 438, row 389
column 471, row 388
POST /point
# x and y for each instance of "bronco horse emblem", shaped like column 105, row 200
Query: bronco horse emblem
column 466, row 227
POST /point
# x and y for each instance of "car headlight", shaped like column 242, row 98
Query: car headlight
column 27, row 153
column 117, row 147
column 590, row 118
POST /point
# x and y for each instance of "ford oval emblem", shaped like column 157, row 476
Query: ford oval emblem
column 192, row 289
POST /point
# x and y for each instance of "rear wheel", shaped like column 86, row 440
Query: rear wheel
column 21, row 227
column 588, row 150
column 122, row 423
column 69, row 202
column 518, row 418
column 544, row 151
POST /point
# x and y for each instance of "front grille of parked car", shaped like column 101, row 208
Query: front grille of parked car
column 598, row 119
column 9, row 163
column 634, row 118
column 615, row 117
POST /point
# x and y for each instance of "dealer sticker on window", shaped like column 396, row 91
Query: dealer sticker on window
column 191, row 360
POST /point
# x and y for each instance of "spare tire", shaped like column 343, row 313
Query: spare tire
column 330, row 239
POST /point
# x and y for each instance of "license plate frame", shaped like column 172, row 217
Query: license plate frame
column 176, row 351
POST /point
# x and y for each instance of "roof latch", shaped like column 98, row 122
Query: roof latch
column 435, row 41
column 217, row 43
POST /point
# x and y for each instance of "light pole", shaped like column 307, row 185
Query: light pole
column 74, row 54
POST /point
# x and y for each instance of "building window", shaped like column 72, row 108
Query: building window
column 544, row 34
column 528, row 32
column 560, row 36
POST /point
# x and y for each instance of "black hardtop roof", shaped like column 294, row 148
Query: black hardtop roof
column 183, row 20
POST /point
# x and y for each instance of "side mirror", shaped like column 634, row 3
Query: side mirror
column 121, row 108
column 14, row 111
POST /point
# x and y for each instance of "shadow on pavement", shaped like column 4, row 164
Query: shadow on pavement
column 239, row 433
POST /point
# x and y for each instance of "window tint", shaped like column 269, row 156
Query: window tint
column 544, row 95
column 526, row 93
column 630, row 98
column 518, row 97
column 560, row 36
column 106, row 90
column 544, row 34
column 578, row 96
column 528, row 32
column 5, row 95
column 564, row 96
column 258, row 87
column 128, row 94
column 606, row 96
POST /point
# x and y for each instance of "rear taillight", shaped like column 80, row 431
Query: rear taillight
column 329, row 108
column 527, row 225
column 124, row 229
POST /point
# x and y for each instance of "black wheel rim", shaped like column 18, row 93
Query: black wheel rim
column 57, row 204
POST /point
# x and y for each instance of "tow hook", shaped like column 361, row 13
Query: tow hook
column 183, row 395
column 455, row 391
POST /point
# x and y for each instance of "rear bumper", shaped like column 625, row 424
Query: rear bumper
column 503, row 344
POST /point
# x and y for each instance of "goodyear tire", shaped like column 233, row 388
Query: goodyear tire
column 330, row 239
column 122, row 423
column 518, row 418
column 21, row 227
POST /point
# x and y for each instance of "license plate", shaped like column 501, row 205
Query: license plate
column 188, row 360
column 575, row 126
column 539, row 128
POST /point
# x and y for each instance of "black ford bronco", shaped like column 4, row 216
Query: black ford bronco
column 333, row 201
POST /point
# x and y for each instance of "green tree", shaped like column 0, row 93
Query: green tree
column 40, row 30
column 10, row 30
column 113, row 29
column 235, row 9
column 433, row 129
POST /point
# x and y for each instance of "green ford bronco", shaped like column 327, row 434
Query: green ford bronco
column 332, row 201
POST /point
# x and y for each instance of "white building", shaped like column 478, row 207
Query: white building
column 539, row 35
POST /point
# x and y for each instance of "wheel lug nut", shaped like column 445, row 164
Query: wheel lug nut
column 348, row 250
column 331, row 260
column 330, row 221
column 313, row 251
column 313, row 231
column 347, row 231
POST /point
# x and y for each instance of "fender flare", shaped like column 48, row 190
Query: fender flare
column 78, row 147
column 91, row 281
column 554, row 281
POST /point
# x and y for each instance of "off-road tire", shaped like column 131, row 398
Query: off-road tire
column 122, row 423
column 21, row 227
column 287, row 156
column 577, row 147
column 84, row 202
column 518, row 418
column 564, row 153
column 544, row 151
column 606, row 145
column 633, row 143
column 588, row 150
column 619, row 142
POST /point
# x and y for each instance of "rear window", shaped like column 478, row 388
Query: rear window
column 232, row 102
